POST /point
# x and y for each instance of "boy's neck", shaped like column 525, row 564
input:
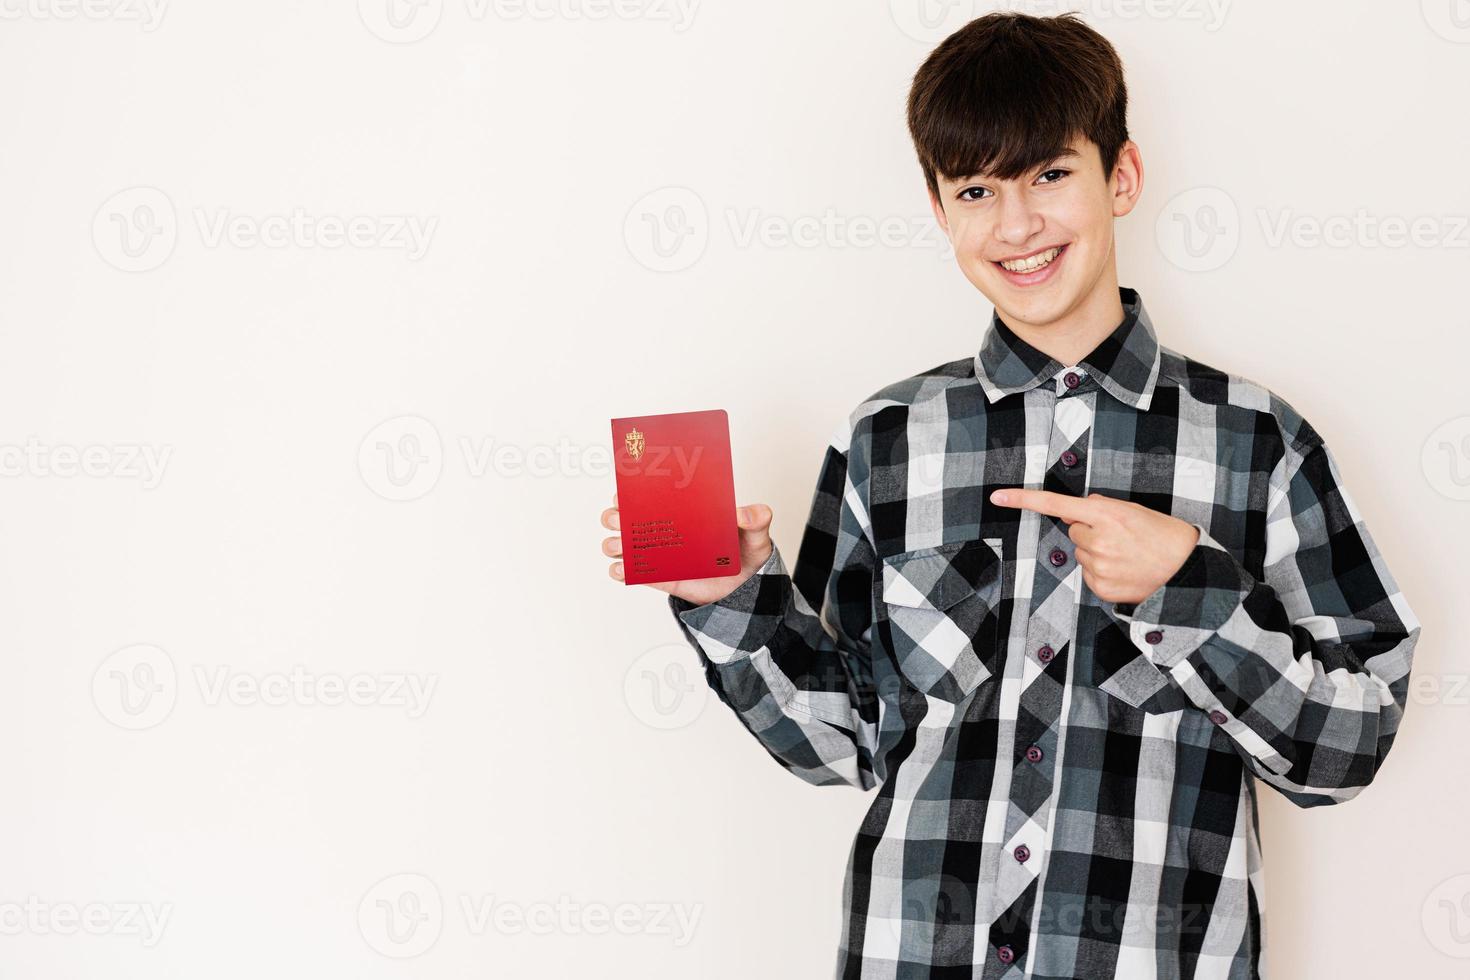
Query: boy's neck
column 1077, row 333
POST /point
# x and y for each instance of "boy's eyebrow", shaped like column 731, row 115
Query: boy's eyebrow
column 1064, row 155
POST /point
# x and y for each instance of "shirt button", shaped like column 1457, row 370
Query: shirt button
column 1005, row 954
column 1045, row 654
column 1033, row 754
column 1022, row 852
column 1219, row 717
column 1154, row 636
column 1069, row 458
column 1058, row 557
column 1072, row 379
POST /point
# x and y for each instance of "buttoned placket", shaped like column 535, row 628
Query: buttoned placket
column 1054, row 584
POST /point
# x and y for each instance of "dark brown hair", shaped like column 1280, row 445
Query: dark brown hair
column 1008, row 91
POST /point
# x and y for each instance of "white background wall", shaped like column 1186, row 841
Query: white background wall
column 145, row 766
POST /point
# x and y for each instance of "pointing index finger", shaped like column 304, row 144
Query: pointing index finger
column 1062, row 505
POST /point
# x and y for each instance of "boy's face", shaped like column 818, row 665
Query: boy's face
column 1065, row 204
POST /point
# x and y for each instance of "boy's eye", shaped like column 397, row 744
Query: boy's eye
column 978, row 193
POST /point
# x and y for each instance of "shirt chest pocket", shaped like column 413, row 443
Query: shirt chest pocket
column 938, row 609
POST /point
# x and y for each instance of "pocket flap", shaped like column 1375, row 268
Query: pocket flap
column 1123, row 671
column 939, row 577
column 1135, row 682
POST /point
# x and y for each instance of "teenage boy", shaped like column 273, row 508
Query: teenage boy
column 1065, row 601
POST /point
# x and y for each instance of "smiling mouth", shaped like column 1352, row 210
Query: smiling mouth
column 1032, row 263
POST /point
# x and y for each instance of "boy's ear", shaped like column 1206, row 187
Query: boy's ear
column 1129, row 176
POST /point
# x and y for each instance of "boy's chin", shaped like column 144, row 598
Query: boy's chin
column 1030, row 304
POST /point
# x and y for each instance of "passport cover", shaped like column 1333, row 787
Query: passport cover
column 676, row 496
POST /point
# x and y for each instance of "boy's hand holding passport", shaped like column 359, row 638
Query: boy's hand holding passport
column 680, row 530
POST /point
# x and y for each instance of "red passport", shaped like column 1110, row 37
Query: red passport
column 676, row 497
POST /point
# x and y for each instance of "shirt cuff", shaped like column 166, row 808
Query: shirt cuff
column 1181, row 615
column 743, row 621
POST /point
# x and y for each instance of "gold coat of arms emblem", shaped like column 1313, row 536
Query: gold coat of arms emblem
column 633, row 442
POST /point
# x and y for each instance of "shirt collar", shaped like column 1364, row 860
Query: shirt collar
column 1125, row 363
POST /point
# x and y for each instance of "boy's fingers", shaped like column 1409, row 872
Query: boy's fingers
column 1062, row 505
column 612, row 547
column 610, row 519
column 753, row 517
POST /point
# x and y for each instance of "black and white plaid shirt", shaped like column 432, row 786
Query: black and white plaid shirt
column 1067, row 786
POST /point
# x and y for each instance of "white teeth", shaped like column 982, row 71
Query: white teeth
column 1034, row 262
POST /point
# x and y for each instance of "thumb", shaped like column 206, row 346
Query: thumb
column 754, row 519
